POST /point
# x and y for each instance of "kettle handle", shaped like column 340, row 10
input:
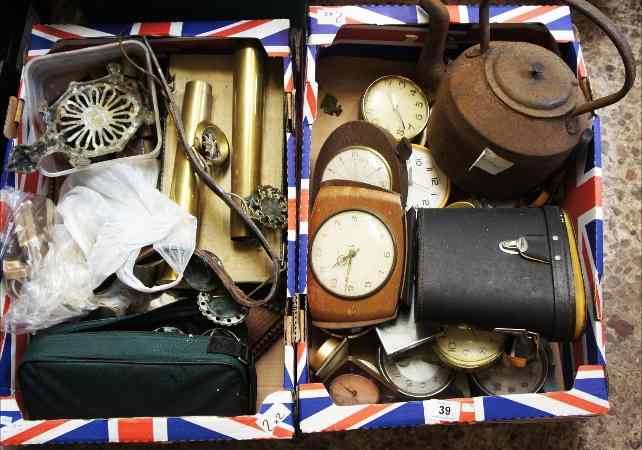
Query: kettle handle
column 431, row 66
column 605, row 24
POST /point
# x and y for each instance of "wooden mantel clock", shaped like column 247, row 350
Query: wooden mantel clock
column 357, row 255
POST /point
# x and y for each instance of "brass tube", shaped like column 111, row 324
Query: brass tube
column 197, row 107
column 248, row 126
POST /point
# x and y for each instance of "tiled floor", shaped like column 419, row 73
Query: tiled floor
column 622, row 292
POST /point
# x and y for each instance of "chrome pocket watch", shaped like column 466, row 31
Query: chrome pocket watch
column 503, row 378
column 417, row 374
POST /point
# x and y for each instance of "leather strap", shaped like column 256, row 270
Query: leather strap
column 212, row 261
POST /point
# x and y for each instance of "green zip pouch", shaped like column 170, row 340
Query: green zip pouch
column 122, row 367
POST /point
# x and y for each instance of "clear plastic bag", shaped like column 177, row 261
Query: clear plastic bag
column 113, row 212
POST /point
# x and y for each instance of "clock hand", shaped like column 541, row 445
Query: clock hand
column 353, row 392
column 395, row 108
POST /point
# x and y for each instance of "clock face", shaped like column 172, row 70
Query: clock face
column 428, row 187
column 503, row 378
column 397, row 104
column 353, row 254
column 353, row 389
column 469, row 348
column 419, row 373
column 358, row 163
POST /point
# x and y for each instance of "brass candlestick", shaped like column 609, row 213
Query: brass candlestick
column 248, row 126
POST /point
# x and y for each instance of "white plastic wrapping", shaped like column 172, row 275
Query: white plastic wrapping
column 115, row 211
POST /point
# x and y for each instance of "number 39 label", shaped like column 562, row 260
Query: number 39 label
column 442, row 410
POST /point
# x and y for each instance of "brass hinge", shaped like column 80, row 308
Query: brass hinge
column 13, row 117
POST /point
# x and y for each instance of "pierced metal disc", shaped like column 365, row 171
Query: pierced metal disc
column 97, row 118
column 221, row 309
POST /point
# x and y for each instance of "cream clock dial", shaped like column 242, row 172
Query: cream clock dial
column 359, row 163
column 428, row 186
column 397, row 104
column 469, row 348
column 353, row 254
column 418, row 373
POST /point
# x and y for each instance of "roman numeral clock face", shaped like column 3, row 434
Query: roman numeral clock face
column 397, row 104
column 353, row 254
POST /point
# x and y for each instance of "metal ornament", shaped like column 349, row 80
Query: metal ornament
column 221, row 309
column 269, row 207
column 91, row 119
column 212, row 144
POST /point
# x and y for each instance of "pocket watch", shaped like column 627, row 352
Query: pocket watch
column 397, row 104
column 428, row 186
column 357, row 255
column 353, row 389
column 362, row 152
column 504, row 378
column 417, row 374
column 469, row 348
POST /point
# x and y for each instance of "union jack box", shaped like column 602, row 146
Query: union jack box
column 394, row 32
column 275, row 417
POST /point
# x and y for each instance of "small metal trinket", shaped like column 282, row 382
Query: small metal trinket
column 91, row 119
column 212, row 144
column 221, row 309
column 168, row 329
column 269, row 207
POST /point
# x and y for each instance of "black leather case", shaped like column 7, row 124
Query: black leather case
column 464, row 277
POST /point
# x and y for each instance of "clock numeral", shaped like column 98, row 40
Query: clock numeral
column 411, row 126
column 399, row 132
column 419, row 104
column 428, row 169
column 419, row 162
column 419, row 116
column 355, row 219
column 413, row 92
column 402, row 83
column 425, row 203
column 367, row 284
column 452, row 346
column 387, row 254
column 350, row 288
column 435, row 181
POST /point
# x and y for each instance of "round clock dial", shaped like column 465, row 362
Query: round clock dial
column 418, row 374
column 503, row 378
column 428, row 187
column 353, row 389
column 353, row 254
column 397, row 104
column 469, row 348
column 359, row 163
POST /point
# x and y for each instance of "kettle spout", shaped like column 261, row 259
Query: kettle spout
column 431, row 67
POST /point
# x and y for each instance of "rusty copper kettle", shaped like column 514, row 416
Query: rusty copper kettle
column 505, row 116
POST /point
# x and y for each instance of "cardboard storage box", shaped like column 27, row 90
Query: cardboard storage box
column 275, row 410
column 395, row 32
column 347, row 48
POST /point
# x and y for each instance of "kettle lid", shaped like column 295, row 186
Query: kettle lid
column 531, row 79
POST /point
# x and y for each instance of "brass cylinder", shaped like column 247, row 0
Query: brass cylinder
column 197, row 107
column 248, row 126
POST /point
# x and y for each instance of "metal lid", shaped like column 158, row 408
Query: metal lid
column 531, row 79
